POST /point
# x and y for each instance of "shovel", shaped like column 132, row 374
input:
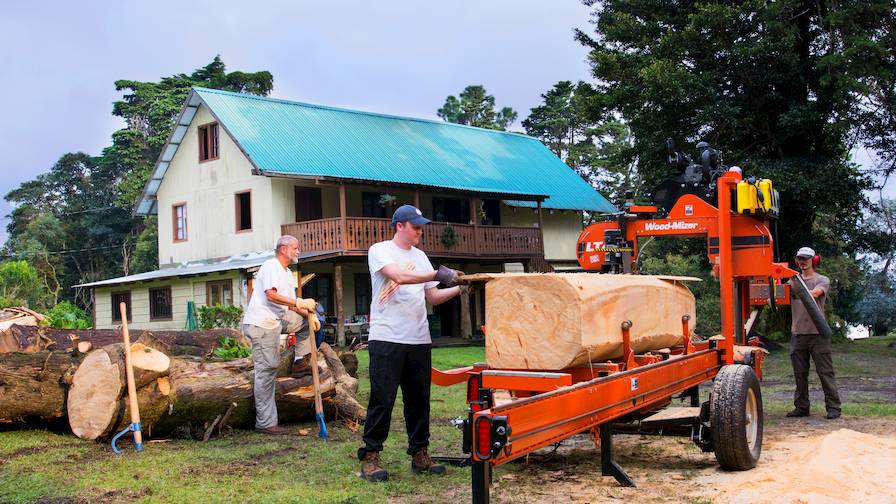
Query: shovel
column 135, row 426
column 315, row 379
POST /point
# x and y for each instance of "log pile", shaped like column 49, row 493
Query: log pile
column 34, row 338
column 562, row 320
column 176, row 392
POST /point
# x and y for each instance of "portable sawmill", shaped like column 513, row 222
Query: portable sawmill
column 632, row 392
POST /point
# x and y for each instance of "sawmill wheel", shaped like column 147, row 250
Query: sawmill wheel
column 736, row 417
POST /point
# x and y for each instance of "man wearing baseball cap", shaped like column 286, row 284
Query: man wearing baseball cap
column 399, row 344
column 805, row 342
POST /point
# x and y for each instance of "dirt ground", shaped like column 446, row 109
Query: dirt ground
column 675, row 470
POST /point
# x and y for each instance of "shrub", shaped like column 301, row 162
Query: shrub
column 66, row 315
column 212, row 317
column 229, row 349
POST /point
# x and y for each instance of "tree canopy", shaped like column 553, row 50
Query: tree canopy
column 476, row 107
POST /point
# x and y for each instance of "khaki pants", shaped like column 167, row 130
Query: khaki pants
column 818, row 347
column 266, row 357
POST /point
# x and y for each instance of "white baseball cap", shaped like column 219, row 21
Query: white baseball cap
column 805, row 252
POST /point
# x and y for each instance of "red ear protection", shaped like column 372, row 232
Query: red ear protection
column 816, row 260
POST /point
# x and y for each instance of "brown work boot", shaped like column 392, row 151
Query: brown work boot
column 422, row 463
column 276, row 430
column 371, row 470
column 300, row 369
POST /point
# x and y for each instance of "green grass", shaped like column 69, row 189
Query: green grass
column 38, row 465
column 244, row 467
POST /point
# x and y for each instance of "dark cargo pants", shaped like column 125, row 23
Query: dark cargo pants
column 818, row 347
column 394, row 365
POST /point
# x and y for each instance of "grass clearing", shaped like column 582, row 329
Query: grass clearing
column 38, row 465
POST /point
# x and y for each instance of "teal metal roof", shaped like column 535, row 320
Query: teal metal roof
column 296, row 139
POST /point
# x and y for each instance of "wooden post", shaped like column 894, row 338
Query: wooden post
column 417, row 198
column 474, row 215
column 541, row 232
column 344, row 231
column 466, row 326
column 340, row 311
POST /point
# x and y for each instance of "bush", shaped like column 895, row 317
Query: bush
column 229, row 349
column 212, row 317
column 66, row 315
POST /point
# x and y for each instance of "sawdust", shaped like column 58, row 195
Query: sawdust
column 842, row 466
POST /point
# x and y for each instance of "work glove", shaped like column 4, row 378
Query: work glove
column 448, row 276
column 313, row 323
column 306, row 304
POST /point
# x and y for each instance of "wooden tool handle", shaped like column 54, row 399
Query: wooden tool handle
column 129, row 371
column 315, row 379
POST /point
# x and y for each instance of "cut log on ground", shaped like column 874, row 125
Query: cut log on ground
column 556, row 321
column 100, row 383
column 33, row 385
column 195, row 394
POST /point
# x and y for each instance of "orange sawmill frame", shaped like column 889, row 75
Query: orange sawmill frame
column 552, row 405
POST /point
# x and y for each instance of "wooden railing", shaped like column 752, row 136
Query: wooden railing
column 469, row 240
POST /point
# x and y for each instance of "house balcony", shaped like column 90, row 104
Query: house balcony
column 470, row 241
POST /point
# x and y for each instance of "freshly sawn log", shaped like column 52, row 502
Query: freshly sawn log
column 560, row 320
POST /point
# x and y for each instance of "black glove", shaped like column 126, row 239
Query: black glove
column 447, row 276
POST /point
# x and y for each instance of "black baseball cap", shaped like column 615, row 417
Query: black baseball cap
column 409, row 213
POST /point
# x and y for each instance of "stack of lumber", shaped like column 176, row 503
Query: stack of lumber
column 555, row 321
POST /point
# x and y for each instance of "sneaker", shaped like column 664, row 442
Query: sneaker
column 797, row 413
column 833, row 414
column 421, row 463
column 273, row 431
column 371, row 470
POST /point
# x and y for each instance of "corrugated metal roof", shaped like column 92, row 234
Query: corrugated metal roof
column 297, row 139
column 237, row 262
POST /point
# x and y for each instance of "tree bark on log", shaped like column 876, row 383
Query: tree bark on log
column 556, row 321
column 34, row 338
column 33, row 385
column 195, row 394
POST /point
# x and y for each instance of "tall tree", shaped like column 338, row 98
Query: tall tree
column 476, row 107
column 766, row 82
column 597, row 149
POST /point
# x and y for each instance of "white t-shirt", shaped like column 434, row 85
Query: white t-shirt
column 262, row 312
column 398, row 312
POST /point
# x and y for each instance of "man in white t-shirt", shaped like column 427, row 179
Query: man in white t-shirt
column 399, row 343
column 274, row 309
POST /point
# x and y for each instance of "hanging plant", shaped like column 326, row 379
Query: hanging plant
column 449, row 237
column 387, row 200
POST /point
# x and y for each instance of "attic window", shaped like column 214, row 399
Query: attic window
column 208, row 142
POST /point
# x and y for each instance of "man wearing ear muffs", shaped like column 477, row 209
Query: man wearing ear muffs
column 805, row 342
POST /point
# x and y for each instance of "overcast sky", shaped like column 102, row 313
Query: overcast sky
column 59, row 61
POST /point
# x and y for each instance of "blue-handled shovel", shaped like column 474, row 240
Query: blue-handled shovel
column 315, row 379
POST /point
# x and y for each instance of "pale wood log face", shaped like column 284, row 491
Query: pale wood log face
column 556, row 321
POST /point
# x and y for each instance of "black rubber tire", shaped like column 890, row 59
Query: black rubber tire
column 736, row 435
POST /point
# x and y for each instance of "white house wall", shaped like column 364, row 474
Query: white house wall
column 182, row 290
column 561, row 229
column 209, row 189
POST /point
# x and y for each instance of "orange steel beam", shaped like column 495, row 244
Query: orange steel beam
column 525, row 380
column 546, row 418
column 451, row 377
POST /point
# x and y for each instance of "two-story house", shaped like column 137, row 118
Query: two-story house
column 240, row 170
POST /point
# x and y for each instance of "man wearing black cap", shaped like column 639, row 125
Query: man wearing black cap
column 403, row 281
column 805, row 342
